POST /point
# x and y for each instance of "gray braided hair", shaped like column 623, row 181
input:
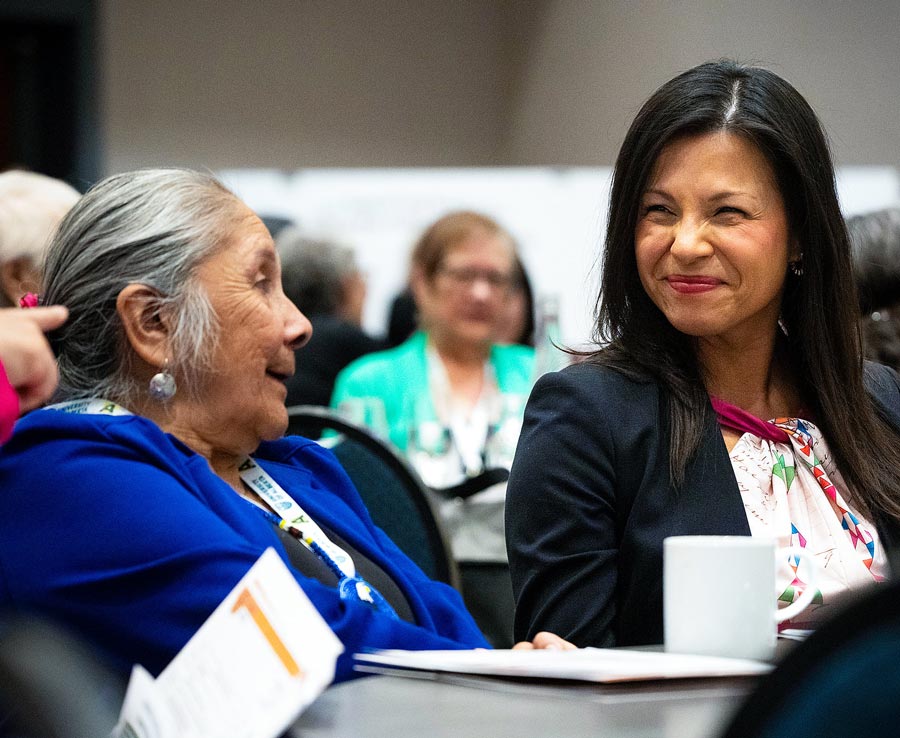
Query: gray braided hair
column 152, row 227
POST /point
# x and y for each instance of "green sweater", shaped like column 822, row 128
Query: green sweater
column 400, row 373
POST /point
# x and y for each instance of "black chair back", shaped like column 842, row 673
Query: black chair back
column 389, row 486
column 53, row 685
column 844, row 680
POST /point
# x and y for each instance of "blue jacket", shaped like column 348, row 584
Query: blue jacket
column 113, row 527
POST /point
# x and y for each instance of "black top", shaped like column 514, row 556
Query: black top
column 334, row 344
column 589, row 503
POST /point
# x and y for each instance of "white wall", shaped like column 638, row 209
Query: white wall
column 556, row 215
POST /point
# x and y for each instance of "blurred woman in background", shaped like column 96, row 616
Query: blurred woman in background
column 323, row 280
column 451, row 396
column 31, row 206
column 876, row 263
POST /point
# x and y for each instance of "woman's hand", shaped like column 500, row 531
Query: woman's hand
column 546, row 640
column 25, row 354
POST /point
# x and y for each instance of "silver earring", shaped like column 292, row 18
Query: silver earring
column 796, row 268
column 162, row 385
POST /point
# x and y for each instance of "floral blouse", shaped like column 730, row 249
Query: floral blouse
column 791, row 491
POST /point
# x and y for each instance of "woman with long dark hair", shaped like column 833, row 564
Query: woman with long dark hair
column 728, row 393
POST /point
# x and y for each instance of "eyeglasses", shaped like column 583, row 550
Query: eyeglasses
column 466, row 277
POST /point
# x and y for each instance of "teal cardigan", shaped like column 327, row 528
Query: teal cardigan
column 399, row 373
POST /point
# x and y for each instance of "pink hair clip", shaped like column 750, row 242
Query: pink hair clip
column 30, row 300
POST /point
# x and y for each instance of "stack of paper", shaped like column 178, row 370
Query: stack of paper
column 602, row 665
column 262, row 656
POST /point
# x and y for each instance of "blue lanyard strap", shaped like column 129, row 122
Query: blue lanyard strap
column 349, row 587
column 315, row 548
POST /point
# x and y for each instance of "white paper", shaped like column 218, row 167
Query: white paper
column 262, row 656
column 145, row 711
column 604, row 665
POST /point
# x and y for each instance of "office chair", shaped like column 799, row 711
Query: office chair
column 843, row 681
column 52, row 685
column 389, row 487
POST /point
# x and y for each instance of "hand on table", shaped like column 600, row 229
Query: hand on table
column 546, row 640
column 25, row 354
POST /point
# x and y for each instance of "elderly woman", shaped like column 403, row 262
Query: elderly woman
column 453, row 396
column 144, row 479
column 729, row 395
column 31, row 206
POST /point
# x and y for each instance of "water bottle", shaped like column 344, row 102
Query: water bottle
column 548, row 356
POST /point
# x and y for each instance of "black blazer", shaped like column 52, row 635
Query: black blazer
column 589, row 503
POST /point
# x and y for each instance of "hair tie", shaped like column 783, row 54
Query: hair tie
column 30, row 300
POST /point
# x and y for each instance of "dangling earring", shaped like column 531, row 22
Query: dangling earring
column 162, row 385
column 796, row 267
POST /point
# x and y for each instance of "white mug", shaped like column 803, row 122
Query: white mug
column 719, row 596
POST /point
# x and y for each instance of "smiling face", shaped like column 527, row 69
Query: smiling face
column 464, row 302
column 241, row 400
column 712, row 240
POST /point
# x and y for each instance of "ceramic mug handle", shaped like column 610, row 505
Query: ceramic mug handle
column 809, row 592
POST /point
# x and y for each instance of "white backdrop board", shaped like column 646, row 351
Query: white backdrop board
column 556, row 215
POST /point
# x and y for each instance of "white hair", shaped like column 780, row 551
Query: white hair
column 314, row 271
column 31, row 206
column 152, row 227
column 733, row 102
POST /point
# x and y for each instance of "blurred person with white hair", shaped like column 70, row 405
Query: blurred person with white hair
column 322, row 278
column 31, row 206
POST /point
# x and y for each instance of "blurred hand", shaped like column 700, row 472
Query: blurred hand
column 26, row 356
column 546, row 640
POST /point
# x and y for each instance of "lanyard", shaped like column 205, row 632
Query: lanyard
column 256, row 478
column 349, row 587
column 93, row 406
column 293, row 517
column 290, row 515
column 468, row 436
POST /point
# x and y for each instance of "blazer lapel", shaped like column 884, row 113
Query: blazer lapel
column 709, row 501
